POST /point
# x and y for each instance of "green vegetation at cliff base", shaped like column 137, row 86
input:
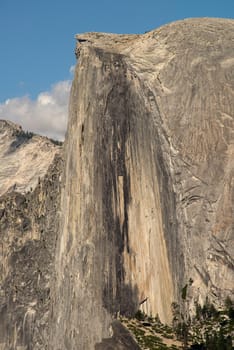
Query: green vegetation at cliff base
column 209, row 329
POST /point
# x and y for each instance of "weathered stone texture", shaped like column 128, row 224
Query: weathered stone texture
column 24, row 157
column 28, row 230
column 146, row 192
column 147, row 204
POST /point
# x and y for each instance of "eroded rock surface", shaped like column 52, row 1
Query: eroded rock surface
column 147, row 192
column 24, row 157
column 147, row 198
column 28, row 230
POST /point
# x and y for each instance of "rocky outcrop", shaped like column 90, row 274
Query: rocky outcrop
column 146, row 192
column 146, row 203
column 30, row 190
column 24, row 158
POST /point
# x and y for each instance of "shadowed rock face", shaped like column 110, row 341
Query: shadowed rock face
column 146, row 203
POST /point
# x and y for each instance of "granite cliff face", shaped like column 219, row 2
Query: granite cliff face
column 146, row 192
column 30, row 168
column 147, row 197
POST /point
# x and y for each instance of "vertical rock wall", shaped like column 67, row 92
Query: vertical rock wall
column 112, row 250
column 146, row 202
column 148, row 144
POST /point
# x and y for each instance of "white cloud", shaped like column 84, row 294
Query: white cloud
column 47, row 115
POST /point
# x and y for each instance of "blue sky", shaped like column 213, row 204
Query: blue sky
column 37, row 37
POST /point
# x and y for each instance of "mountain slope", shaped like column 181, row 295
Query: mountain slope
column 30, row 168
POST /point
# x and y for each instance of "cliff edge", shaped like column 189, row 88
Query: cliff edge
column 140, row 215
column 147, row 197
